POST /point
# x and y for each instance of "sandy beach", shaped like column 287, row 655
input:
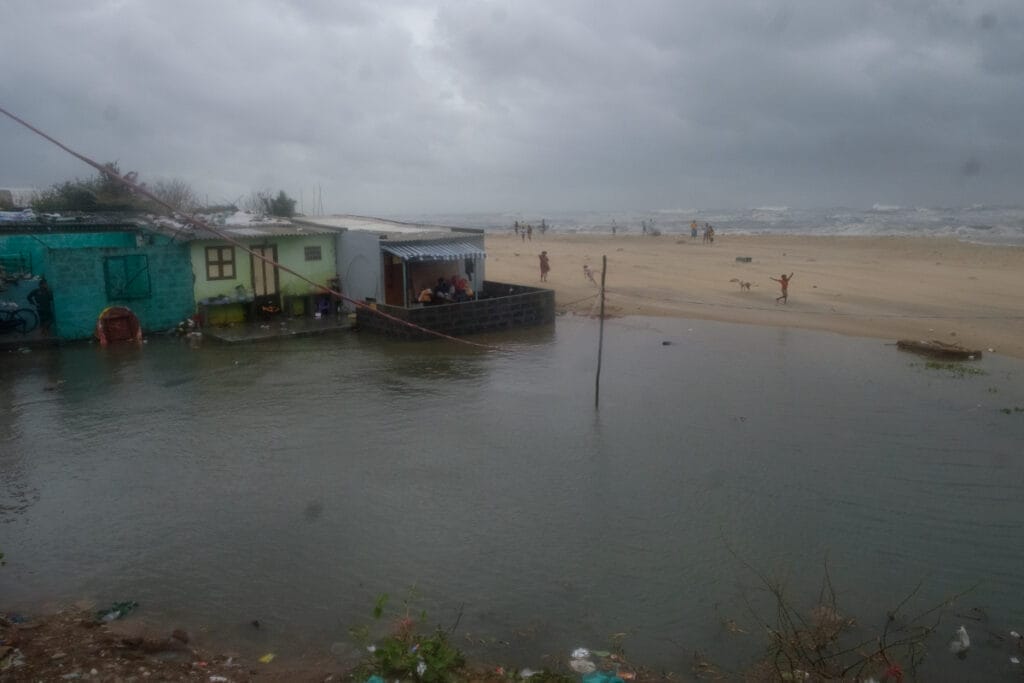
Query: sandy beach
column 885, row 287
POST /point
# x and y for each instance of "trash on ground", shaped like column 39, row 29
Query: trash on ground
column 267, row 658
column 580, row 653
column 582, row 666
column 961, row 643
column 116, row 611
column 11, row 659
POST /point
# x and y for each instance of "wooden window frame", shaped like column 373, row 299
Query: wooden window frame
column 217, row 264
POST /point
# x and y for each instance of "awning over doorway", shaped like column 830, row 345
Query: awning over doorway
column 433, row 251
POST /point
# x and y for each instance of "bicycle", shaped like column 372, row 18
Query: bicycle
column 22, row 320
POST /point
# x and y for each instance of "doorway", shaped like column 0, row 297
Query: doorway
column 265, row 281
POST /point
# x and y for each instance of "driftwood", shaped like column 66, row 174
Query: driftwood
column 938, row 349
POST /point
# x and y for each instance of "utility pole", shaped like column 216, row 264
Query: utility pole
column 600, row 338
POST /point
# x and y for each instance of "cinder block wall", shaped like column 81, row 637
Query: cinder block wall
column 80, row 292
column 529, row 306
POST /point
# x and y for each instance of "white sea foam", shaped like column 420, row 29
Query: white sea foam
column 979, row 223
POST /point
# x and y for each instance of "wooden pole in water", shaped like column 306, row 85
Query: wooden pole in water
column 600, row 338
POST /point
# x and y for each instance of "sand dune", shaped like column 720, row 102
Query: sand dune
column 885, row 287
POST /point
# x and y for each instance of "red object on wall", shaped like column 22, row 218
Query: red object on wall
column 118, row 324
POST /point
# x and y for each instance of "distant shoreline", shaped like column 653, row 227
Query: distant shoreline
column 882, row 287
column 978, row 224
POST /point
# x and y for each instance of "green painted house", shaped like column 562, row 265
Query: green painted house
column 232, row 285
column 92, row 263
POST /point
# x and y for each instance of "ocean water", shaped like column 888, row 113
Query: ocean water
column 994, row 225
column 294, row 482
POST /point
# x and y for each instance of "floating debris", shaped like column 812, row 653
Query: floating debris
column 118, row 610
column 961, row 643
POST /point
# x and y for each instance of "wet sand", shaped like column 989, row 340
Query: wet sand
column 884, row 287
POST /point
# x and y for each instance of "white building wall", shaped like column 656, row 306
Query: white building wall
column 359, row 265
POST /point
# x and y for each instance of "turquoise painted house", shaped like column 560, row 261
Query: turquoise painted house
column 92, row 263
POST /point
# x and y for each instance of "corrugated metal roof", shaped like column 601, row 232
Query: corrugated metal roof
column 434, row 251
column 383, row 226
column 257, row 230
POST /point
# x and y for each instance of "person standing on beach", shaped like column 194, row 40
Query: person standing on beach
column 545, row 266
column 693, row 230
column 529, row 231
column 783, row 281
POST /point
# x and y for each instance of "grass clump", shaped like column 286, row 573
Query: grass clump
column 408, row 651
column 825, row 644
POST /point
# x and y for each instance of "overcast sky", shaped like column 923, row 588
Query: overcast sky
column 526, row 105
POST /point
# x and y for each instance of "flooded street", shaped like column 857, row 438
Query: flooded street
column 292, row 482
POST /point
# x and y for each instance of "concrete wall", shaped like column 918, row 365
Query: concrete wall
column 78, row 280
column 34, row 249
column 499, row 310
column 290, row 252
column 359, row 265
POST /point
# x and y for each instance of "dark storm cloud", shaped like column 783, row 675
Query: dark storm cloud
column 411, row 106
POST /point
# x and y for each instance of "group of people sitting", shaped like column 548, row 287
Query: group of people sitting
column 447, row 291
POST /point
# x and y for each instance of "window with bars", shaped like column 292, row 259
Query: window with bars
column 220, row 263
column 313, row 254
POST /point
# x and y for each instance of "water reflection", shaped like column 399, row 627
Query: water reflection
column 293, row 482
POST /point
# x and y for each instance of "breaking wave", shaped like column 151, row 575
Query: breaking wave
column 980, row 223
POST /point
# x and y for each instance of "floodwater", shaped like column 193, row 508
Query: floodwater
column 293, row 482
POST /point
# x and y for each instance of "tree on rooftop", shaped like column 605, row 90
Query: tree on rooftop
column 98, row 194
column 264, row 202
column 282, row 205
column 176, row 192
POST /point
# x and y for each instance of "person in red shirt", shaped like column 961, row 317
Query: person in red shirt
column 545, row 266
